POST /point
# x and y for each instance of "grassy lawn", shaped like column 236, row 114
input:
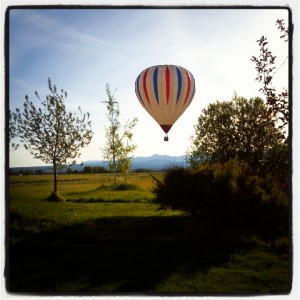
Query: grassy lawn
column 109, row 239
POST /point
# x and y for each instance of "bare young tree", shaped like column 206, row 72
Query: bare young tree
column 118, row 145
column 51, row 133
column 124, row 162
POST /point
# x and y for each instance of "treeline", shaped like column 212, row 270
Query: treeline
column 26, row 172
column 90, row 169
column 85, row 170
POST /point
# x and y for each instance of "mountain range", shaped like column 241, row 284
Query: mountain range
column 154, row 162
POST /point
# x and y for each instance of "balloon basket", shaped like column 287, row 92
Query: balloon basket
column 166, row 138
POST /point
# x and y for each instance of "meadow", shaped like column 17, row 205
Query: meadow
column 112, row 239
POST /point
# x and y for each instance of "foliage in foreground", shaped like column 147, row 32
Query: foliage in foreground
column 227, row 199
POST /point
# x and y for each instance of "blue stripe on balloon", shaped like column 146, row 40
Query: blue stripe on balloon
column 138, row 90
column 179, row 84
column 155, row 83
column 193, row 88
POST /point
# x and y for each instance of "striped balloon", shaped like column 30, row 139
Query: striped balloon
column 165, row 91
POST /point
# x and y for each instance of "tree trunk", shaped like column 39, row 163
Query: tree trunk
column 115, row 169
column 115, row 176
column 55, row 173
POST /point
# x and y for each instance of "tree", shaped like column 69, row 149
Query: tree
column 69, row 171
column 51, row 133
column 87, row 169
column 239, row 128
column 278, row 102
column 99, row 169
column 39, row 172
column 12, row 130
column 124, row 162
column 118, row 147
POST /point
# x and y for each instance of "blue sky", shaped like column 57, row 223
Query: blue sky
column 83, row 49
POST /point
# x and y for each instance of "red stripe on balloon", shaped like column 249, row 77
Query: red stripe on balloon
column 145, row 86
column 189, row 85
column 167, row 84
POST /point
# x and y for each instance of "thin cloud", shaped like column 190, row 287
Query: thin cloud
column 44, row 31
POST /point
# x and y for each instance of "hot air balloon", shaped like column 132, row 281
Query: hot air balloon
column 165, row 91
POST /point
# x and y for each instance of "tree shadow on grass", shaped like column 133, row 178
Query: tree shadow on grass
column 89, row 196
column 116, row 255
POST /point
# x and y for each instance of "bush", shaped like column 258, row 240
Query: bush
column 124, row 187
column 227, row 199
column 276, row 162
column 55, row 197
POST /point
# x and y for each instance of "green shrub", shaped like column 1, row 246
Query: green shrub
column 124, row 187
column 227, row 198
column 276, row 162
column 56, row 197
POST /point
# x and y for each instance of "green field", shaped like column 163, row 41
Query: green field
column 111, row 239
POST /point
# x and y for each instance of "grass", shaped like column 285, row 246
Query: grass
column 85, row 187
column 122, row 245
column 248, row 272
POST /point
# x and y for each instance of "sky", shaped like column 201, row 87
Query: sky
column 82, row 50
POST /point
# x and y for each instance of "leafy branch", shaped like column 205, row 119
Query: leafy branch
column 278, row 102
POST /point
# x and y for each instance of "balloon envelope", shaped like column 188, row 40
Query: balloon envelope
column 165, row 91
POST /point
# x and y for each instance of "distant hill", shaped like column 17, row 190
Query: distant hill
column 155, row 162
column 158, row 162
